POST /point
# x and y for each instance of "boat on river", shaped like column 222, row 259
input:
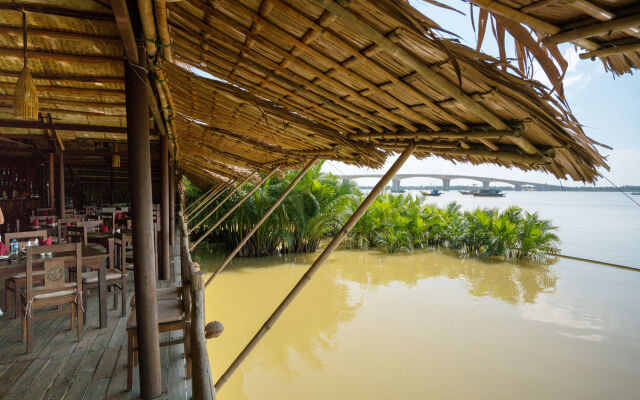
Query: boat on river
column 489, row 193
column 434, row 192
column 635, row 193
column 466, row 192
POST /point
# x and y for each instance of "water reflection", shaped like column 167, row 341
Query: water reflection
column 245, row 295
column 509, row 282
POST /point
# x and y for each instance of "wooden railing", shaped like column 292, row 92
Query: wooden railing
column 193, row 286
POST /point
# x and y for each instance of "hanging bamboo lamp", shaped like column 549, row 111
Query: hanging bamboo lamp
column 26, row 96
column 115, row 159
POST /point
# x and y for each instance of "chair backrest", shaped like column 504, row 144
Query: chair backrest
column 42, row 218
column 120, row 242
column 24, row 237
column 109, row 217
column 76, row 234
column 92, row 226
column 62, row 224
column 63, row 256
column 44, row 211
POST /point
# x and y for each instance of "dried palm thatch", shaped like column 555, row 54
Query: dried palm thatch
column 294, row 79
column 607, row 30
column 377, row 74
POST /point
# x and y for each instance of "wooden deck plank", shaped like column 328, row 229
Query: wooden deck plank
column 60, row 367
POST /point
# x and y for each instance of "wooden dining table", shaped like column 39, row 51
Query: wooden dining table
column 92, row 257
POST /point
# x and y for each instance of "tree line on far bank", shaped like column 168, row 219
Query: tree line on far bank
column 320, row 204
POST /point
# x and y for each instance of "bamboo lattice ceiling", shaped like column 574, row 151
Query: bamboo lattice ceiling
column 349, row 81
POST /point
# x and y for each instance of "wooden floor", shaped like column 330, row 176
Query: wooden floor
column 60, row 367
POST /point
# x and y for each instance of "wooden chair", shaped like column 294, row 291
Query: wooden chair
column 76, row 234
column 92, row 226
column 173, row 315
column 116, row 280
column 109, row 218
column 55, row 291
column 62, row 225
column 19, row 280
column 42, row 219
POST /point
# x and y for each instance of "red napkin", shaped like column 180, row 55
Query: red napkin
column 46, row 242
column 104, row 228
column 50, row 221
column 118, row 215
column 124, row 215
column 35, row 222
column 67, row 224
column 3, row 249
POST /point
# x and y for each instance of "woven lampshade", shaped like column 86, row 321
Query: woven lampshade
column 26, row 97
column 25, row 103
column 115, row 159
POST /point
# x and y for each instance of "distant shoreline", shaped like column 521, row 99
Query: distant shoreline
column 512, row 188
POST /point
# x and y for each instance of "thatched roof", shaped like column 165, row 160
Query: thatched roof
column 608, row 30
column 294, row 79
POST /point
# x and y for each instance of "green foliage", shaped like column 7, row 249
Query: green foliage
column 402, row 223
column 317, row 207
column 320, row 204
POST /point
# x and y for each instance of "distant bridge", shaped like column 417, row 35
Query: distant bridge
column 446, row 180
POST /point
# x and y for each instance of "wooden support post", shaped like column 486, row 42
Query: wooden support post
column 143, row 231
column 52, row 189
column 317, row 264
column 165, row 258
column 266, row 215
column 61, row 199
column 202, row 383
column 232, row 209
column 227, row 197
column 172, row 202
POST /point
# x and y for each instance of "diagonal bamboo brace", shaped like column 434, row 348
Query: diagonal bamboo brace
column 227, row 197
column 317, row 264
column 232, row 209
column 264, row 217
column 214, row 197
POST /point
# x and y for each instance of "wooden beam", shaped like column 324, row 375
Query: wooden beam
column 434, row 78
column 67, row 77
column 58, row 11
column 165, row 258
column 610, row 51
column 73, row 103
column 29, row 124
column 597, row 29
column 57, row 56
column 70, row 90
column 121, row 13
column 54, row 34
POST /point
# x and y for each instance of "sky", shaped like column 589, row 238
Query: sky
column 607, row 107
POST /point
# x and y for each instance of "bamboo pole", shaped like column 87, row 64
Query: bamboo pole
column 264, row 217
column 223, row 201
column 145, row 8
column 58, row 34
column 611, row 51
column 317, row 264
column 535, row 23
column 56, row 56
column 434, row 78
column 213, row 198
column 163, row 30
column 232, row 209
column 165, row 256
column 462, row 135
column 597, row 29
